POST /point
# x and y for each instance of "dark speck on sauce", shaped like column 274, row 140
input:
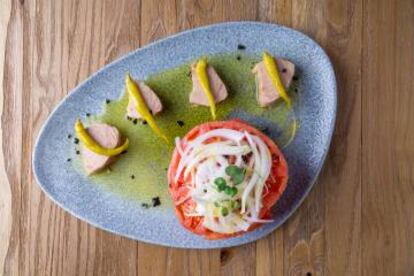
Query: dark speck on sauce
column 125, row 151
column 88, row 114
column 145, row 205
column 69, row 160
column 77, row 152
column 238, row 57
column 241, row 47
column 295, row 78
column 144, row 122
column 69, row 136
column 156, row 201
column 284, row 70
column 128, row 118
column 76, row 141
column 132, row 176
column 180, row 123
column 135, row 121
column 265, row 130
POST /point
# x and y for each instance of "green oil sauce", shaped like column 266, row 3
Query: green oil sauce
column 141, row 173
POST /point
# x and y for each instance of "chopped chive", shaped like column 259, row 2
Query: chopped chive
column 216, row 204
column 224, row 211
column 180, row 123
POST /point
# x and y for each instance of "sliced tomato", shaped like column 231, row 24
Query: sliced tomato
column 275, row 184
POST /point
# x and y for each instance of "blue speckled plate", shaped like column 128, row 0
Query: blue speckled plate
column 315, row 109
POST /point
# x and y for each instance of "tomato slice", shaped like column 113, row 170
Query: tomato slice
column 275, row 184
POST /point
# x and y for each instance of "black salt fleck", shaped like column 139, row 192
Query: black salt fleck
column 284, row 70
column 69, row 160
column 238, row 57
column 69, row 136
column 77, row 152
column 132, row 176
column 241, row 47
column 180, row 123
column 88, row 114
column 145, row 205
column 135, row 121
column 76, row 141
column 108, row 101
column 156, row 201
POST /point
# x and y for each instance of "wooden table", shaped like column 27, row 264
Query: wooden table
column 359, row 217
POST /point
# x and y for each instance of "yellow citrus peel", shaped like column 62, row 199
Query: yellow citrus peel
column 201, row 70
column 273, row 72
column 92, row 145
column 141, row 106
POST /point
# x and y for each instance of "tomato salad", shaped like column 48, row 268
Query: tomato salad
column 224, row 178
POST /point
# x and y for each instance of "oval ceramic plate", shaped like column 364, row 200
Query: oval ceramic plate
column 315, row 108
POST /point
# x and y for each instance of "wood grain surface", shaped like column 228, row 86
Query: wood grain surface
column 359, row 217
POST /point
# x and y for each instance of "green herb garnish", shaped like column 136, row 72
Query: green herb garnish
column 231, row 191
column 224, row 211
column 220, row 183
column 236, row 174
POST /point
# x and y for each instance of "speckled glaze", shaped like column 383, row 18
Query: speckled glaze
column 315, row 108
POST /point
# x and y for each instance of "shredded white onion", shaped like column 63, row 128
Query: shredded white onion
column 205, row 160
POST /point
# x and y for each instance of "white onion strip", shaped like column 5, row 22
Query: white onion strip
column 206, row 161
